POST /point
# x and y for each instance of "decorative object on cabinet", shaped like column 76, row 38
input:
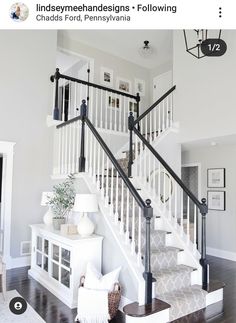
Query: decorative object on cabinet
column 216, row 200
column 69, row 229
column 48, row 216
column 62, row 201
column 58, row 261
column 85, row 203
column 216, row 177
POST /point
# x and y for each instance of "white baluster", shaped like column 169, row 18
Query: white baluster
column 106, row 110
column 59, row 162
column 154, row 176
column 98, row 167
column 103, row 174
column 111, row 113
column 117, row 194
column 146, row 128
column 87, row 142
column 159, row 120
column 75, row 100
column 94, row 159
column 73, row 126
column 139, row 255
column 159, row 181
column 136, row 154
column 63, row 103
column 62, row 150
column 125, row 115
column 122, row 208
column 107, row 182
column 181, row 210
column 96, row 104
column 91, row 154
column 101, row 108
column 150, row 126
column 164, row 187
column 121, row 102
column 163, row 116
column 195, row 227
column 171, row 109
column 70, row 101
column 69, row 148
column 115, row 117
column 112, row 189
column 149, row 170
column 66, row 150
column 127, row 217
column 176, row 200
column 155, row 123
column 170, row 197
column 133, row 227
column 188, row 217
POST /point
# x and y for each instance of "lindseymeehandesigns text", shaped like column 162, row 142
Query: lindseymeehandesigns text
column 99, row 12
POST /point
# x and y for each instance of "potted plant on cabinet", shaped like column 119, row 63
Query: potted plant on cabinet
column 62, row 201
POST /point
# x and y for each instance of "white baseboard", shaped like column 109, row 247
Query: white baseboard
column 221, row 253
column 18, row 262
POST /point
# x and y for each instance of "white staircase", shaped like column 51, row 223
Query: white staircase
column 173, row 240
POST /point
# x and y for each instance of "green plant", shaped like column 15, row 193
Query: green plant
column 63, row 197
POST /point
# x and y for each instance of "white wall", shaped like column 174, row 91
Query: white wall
column 220, row 224
column 205, row 90
column 27, row 59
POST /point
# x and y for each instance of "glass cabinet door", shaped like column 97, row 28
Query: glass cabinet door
column 65, row 257
column 55, row 252
column 65, row 277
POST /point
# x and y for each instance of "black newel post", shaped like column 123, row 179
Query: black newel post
column 83, row 114
column 56, row 77
column 130, row 126
column 148, row 214
column 203, row 260
column 138, row 100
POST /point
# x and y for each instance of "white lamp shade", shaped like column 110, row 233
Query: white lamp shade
column 86, row 203
column 45, row 197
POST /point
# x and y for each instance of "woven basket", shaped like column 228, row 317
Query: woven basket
column 113, row 298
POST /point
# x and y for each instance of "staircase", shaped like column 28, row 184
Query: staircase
column 141, row 199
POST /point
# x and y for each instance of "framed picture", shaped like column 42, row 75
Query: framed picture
column 216, row 200
column 106, row 77
column 113, row 102
column 216, row 177
column 123, row 85
column 139, row 87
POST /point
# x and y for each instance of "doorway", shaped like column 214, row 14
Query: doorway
column 191, row 177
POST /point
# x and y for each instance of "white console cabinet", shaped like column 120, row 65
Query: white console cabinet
column 58, row 260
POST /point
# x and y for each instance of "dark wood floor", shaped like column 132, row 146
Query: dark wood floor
column 54, row 311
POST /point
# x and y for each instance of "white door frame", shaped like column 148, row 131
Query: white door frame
column 199, row 166
column 7, row 151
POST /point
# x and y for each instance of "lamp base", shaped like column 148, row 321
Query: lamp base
column 85, row 226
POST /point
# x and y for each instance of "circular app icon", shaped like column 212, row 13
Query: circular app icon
column 18, row 305
column 19, row 12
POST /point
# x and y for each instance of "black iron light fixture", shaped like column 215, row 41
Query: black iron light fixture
column 203, row 42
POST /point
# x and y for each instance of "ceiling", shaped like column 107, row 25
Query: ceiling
column 126, row 44
column 210, row 142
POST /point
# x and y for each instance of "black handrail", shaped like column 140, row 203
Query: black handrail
column 58, row 76
column 154, row 105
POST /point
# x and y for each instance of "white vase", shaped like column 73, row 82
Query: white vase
column 48, row 216
column 85, row 226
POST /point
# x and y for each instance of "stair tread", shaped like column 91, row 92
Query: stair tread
column 172, row 271
column 165, row 249
column 184, row 301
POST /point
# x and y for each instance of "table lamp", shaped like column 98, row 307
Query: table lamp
column 85, row 203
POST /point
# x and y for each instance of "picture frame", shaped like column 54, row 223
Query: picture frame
column 113, row 102
column 139, row 87
column 216, row 177
column 106, row 77
column 123, row 85
column 216, row 200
